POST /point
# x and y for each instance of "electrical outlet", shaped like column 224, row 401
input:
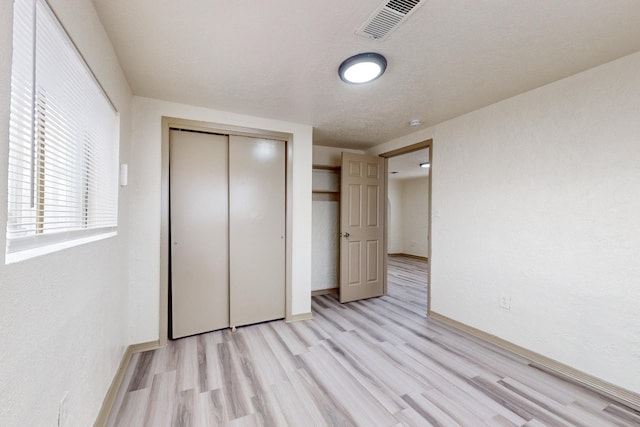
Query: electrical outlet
column 505, row 302
column 62, row 410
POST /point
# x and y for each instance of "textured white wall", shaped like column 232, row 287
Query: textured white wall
column 330, row 156
column 325, row 248
column 144, row 184
column 415, row 218
column 537, row 197
column 408, row 216
column 395, row 244
column 63, row 316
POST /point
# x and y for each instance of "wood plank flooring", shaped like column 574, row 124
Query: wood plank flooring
column 377, row 362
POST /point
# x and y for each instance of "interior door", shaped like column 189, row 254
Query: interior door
column 198, row 185
column 362, row 210
column 256, row 229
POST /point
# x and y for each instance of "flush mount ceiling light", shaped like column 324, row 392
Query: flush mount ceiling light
column 362, row 68
column 425, row 165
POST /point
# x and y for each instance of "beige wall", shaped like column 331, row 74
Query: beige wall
column 536, row 198
column 415, row 230
column 408, row 222
column 395, row 235
column 63, row 316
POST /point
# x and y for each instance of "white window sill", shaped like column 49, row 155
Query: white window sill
column 25, row 254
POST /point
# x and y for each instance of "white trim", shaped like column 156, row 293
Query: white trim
column 298, row 317
column 25, row 254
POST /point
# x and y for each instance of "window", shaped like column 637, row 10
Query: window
column 63, row 142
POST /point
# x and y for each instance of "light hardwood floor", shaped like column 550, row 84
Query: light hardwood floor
column 377, row 362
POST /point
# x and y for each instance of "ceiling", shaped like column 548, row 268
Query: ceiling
column 279, row 58
column 407, row 165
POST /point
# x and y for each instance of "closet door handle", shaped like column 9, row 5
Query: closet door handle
column 344, row 234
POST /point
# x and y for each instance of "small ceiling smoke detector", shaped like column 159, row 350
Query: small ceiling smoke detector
column 425, row 165
column 414, row 123
column 362, row 68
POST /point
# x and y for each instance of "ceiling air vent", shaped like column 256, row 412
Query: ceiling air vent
column 387, row 17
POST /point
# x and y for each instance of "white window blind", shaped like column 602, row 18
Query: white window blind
column 63, row 143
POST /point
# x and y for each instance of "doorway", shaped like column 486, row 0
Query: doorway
column 408, row 226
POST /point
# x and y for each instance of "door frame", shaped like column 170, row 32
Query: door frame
column 428, row 144
column 224, row 129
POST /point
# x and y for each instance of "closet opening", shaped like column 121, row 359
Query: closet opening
column 231, row 149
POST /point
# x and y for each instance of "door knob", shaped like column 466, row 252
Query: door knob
column 344, row 234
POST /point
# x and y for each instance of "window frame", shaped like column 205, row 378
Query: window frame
column 62, row 190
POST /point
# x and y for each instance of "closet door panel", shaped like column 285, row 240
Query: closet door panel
column 199, row 232
column 256, row 229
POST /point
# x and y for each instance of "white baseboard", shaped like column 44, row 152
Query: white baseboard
column 298, row 317
column 324, row 291
column 402, row 254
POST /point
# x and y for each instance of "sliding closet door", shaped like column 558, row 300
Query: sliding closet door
column 256, row 229
column 199, row 232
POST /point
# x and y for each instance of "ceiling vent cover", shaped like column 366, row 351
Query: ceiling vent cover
column 387, row 17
